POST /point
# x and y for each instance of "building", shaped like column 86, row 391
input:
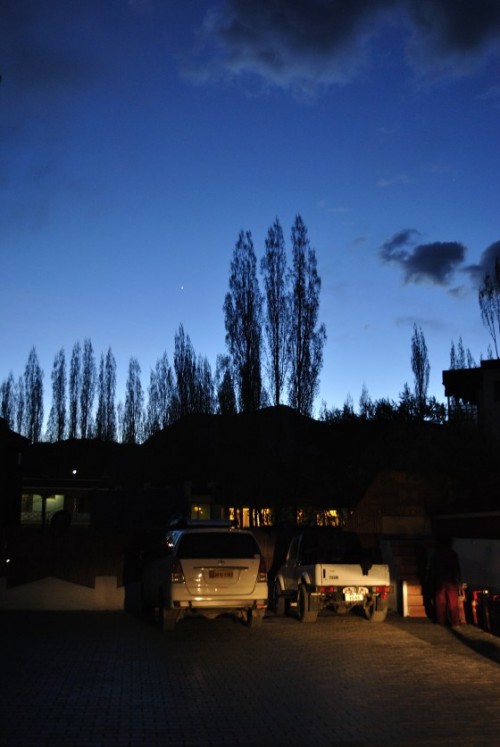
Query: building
column 475, row 392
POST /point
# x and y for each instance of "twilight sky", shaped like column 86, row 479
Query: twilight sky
column 138, row 137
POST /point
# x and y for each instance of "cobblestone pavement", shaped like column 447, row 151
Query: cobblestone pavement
column 111, row 679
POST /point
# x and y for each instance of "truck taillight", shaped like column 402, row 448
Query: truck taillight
column 177, row 575
column 262, row 574
column 382, row 591
column 327, row 589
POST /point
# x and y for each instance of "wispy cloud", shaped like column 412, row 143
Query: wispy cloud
column 394, row 181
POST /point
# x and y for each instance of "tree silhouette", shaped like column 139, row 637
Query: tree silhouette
column 56, row 428
column 106, row 391
column 185, row 373
column 277, row 310
column 306, row 338
column 160, row 396
column 8, row 403
column 33, row 388
column 87, row 391
column 134, row 402
column 420, row 367
column 489, row 303
column 74, row 389
column 243, row 316
column 224, row 383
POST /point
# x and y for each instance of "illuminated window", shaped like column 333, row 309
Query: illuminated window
column 200, row 511
column 251, row 517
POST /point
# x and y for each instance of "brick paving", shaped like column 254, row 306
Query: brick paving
column 102, row 679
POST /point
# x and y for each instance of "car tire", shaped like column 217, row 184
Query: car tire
column 305, row 614
column 255, row 618
column 166, row 618
column 279, row 601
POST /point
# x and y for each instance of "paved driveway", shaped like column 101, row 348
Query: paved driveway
column 111, row 679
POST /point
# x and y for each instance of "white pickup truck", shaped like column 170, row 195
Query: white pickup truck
column 327, row 568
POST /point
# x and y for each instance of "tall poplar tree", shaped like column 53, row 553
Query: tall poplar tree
column 106, row 392
column 33, row 388
column 243, row 318
column 307, row 339
column 8, row 401
column 74, row 390
column 133, row 414
column 277, row 310
column 421, row 368
column 57, row 415
column 160, row 396
column 185, row 372
column 87, row 392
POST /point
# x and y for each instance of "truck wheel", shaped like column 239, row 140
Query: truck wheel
column 373, row 614
column 305, row 614
column 278, row 600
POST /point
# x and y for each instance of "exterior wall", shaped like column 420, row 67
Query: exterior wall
column 479, row 562
column 489, row 406
column 57, row 595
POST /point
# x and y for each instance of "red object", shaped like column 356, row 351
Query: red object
column 447, row 603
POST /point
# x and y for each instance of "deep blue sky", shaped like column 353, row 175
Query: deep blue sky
column 137, row 138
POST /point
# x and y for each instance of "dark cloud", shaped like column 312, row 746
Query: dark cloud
column 485, row 265
column 434, row 263
column 456, row 25
column 395, row 249
column 298, row 44
column 306, row 44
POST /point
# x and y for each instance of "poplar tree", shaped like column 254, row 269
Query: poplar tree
column 74, row 389
column 421, row 368
column 106, row 392
column 307, row 339
column 185, row 372
column 8, row 400
column 277, row 310
column 134, row 402
column 243, row 317
column 33, row 388
column 57, row 416
column 87, row 392
column 160, row 396
column 224, row 385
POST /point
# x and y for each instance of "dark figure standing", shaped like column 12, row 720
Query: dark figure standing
column 447, row 579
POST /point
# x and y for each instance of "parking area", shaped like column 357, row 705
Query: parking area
column 90, row 678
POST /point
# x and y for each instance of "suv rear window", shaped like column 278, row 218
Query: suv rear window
column 196, row 545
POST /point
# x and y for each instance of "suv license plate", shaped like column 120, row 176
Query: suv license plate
column 220, row 574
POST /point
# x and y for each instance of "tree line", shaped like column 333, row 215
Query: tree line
column 274, row 356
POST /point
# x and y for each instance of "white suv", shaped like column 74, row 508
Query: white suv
column 208, row 569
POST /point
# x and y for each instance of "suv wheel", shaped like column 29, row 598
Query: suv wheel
column 166, row 618
column 255, row 618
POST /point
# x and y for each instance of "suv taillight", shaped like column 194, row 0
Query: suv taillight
column 262, row 574
column 177, row 573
